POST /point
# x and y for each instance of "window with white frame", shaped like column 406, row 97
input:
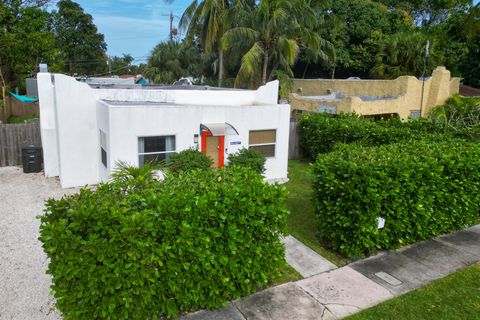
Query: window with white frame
column 263, row 141
column 155, row 149
column 103, row 148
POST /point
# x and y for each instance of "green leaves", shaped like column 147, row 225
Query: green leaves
column 249, row 158
column 139, row 249
column 421, row 188
column 188, row 160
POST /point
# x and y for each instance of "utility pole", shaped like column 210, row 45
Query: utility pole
column 173, row 30
column 427, row 53
column 171, row 26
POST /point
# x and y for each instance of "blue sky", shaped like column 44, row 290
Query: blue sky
column 133, row 26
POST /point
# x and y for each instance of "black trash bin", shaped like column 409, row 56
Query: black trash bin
column 32, row 158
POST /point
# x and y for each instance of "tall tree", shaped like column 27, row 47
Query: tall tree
column 274, row 32
column 122, row 65
column 403, row 53
column 471, row 23
column 83, row 47
column 208, row 19
column 25, row 41
column 428, row 13
column 172, row 60
column 359, row 28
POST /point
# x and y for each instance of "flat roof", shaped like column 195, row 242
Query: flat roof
column 167, row 103
column 161, row 87
column 135, row 103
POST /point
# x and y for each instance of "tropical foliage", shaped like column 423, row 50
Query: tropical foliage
column 209, row 19
column 66, row 39
column 249, row 158
column 403, row 53
column 188, row 160
column 421, row 189
column 136, row 248
column 172, row 60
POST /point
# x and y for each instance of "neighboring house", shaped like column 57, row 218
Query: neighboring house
column 405, row 96
column 86, row 129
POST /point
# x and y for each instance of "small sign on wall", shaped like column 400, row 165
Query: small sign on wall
column 323, row 108
column 235, row 143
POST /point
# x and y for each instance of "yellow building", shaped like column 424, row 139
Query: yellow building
column 405, row 96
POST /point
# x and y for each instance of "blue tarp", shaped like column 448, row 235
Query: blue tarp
column 23, row 98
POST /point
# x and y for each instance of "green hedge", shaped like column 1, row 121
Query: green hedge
column 188, row 160
column 320, row 132
column 421, row 188
column 249, row 158
column 137, row 250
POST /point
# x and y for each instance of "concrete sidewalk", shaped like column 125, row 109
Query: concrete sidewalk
column 336, row 293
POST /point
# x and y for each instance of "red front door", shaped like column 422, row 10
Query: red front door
column 214, row 148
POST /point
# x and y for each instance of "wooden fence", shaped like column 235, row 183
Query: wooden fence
column 294, row 141
column 13, row 137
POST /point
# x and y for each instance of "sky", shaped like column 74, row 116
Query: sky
column 133, row 26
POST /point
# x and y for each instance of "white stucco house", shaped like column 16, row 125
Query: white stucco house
column 86, row 129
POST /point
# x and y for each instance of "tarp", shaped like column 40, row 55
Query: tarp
column 23, row 98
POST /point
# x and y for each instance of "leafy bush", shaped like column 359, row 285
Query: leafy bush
column 458, row 112
column 421, row 188
column 320, row 132
column 249, row 158
column 188, row 160
column 131, row 250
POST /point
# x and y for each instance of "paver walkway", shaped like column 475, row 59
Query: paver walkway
column 336, row 293
column 303, row 259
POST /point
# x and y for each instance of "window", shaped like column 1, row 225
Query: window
column 155, row 149
column 103, row 148
column 263, row 141
column 415, row 114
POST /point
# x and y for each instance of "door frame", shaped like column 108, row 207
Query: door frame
column 221, row 147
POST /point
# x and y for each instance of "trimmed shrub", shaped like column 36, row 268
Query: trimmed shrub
column 188, row 160
column 421, row 188
column 320, row 132
column 249, row 158
column 130, row 250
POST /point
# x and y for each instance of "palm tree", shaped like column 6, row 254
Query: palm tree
column 274, row 31
column 471, row 24
column 403, row 53
column 209, row 19
column 171, row 60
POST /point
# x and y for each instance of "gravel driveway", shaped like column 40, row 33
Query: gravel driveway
column 24, row 286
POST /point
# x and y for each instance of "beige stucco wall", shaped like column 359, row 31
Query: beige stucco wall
column 402, row 95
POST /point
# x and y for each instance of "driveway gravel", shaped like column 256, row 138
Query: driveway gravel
column 25, row 287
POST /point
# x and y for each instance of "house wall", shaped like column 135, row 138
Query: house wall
column 77, row 132
column 48, row 125
column 402, row 95
column 127, row 123
column 103, row 121
column 71, row 115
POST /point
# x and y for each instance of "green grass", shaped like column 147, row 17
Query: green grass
column 302, row 222
column 287, row 274
column 454, row 297
column 20, row 119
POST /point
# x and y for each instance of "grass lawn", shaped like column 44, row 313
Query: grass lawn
column 20, row 119
column 302, row 223
column 287, row 274
column 454, row 297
